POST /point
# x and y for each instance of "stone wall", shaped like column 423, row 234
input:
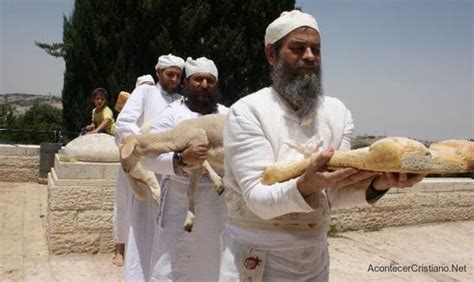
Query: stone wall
column 80, row 207
column 81, row 200
column 432, row 200
column 19, row 163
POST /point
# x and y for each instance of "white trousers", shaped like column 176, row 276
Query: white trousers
column 140, row 238
column 179, row 255
column 243, row 263
column 123, row 197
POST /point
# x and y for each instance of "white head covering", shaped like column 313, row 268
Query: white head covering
column 286, row 23
column 145, row 79
column 166, row 61
column 202, row 64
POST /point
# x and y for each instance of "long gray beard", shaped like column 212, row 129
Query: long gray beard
column 304, row 91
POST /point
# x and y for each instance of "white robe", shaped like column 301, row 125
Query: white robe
column 258, row 131
column 134, row 220
column 179, row 255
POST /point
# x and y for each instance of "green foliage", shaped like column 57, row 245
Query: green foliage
column 67, row 159
column 110, row 43
column 35, row 126
column 7, row 116
column 332, row 231
column 54, row 49
column 231, row 33
column 42, row 116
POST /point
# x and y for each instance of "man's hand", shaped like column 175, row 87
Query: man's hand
column 196, row 153
column 316, row 176
column 396, row 180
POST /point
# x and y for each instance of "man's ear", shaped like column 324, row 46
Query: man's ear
column 270, row 55
column 158, row 73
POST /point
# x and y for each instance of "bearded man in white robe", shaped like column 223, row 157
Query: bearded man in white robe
column 278, row 232
column 134, row 220
column 179, row 255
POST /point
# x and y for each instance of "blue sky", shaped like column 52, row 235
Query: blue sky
column 403, row 67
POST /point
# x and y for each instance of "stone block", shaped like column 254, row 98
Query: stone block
column 79, row 170
column 463, row 185
column 109, row 198
column 406, row 200
column 98, row 220
column 18, row 174
column 429, row 186
column 448, row 213
column 80, row 182
column 12, row 150
column 396, row 201
column 107, row 244
column 20, row 161
column 62, row 221
column 79, row 242
column 456, row 199
column 90, row 198
column 74, row 198
column 61, row 198
column 111, row 170
column 366, row 220
column 32, row 150
column 441, row 185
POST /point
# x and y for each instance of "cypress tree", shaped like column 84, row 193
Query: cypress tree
column 109, row 43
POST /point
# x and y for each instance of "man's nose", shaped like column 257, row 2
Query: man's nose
column 309, row 55
column 204, row 84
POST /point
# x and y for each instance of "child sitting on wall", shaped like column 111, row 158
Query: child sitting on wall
column 102, row 115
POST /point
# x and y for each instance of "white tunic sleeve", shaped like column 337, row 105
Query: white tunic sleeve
column 128, row 119
column 247, row 153
column 170, row 117
column 162, row 164
column 353, row 195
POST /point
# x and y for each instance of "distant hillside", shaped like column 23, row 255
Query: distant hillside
column 367, row 140
column 22, row 102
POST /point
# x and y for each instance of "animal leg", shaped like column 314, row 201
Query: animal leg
column 140, row 179
column 138, row 187
column 134, row 147
column 128, row 157
column 215, row 178
column 194, row 180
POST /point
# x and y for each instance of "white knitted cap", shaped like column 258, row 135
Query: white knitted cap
column 144, row 79
column 166, row 61
column 201, row 64
column 286, row 23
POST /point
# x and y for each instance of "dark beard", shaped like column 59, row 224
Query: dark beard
column 302, row 90
column 169, row 89
column 202, row 101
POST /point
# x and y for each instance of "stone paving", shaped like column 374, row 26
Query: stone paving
column 411, row 253
column 23, row 247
